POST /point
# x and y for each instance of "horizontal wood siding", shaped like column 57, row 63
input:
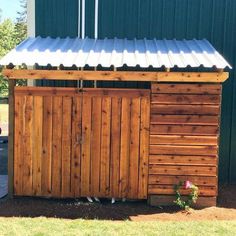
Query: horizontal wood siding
column 70, row 144
column 184, row 134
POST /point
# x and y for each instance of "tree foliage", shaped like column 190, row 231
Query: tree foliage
column 11, row 34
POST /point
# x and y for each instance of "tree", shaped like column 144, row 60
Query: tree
column 0, row 14
column 10, row 35
column 21, row 23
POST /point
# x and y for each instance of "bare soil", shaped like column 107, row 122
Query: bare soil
column 134, row 211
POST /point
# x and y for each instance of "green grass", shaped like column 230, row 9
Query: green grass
column 3, row 113
column 49, row 226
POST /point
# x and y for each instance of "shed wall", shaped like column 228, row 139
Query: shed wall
column 159, row 19
column 184, row 136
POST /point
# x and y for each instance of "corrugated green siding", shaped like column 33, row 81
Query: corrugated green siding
column 214, row 20
column 56, row 18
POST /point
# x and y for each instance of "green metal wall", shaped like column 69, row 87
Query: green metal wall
column 214, row 20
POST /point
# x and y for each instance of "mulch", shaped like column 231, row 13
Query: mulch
column 134, row 211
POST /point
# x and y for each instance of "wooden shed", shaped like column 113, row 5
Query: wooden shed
column 99, row 136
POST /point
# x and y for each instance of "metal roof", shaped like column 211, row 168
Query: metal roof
column 115, row 52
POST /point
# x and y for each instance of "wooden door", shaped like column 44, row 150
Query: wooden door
column 91, row 143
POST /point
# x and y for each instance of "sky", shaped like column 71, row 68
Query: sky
column 9, row 8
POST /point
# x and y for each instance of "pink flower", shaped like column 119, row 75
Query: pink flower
column 187, row 184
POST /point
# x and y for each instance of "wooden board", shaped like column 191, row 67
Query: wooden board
column 186, row 129
column 184, row 119
column 183, row 140
column 196, row 77
column 37, row 144
column 169, row 109
column 91, row 143
column 186, row 88
column 76, row 146
column 46, row 172
column 172, row 180
column 66, row 147
column 168, row 189
column 183, row 160
column 182, row 170
column 27, row 146
column 185, row 99
column 56, row 146
column 184, row 134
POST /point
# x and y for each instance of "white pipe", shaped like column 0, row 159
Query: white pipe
column 83, row 19
column 96, row 20
column 79, row 17
column 31, row 18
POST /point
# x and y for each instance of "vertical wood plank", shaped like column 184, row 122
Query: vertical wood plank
column 46, row 178
column 144, row 147
column 11, row 84
column 134, row 148
column 56, row 146
column 105, row 147
column 37, row 144
column 86, row 149
column 27, row 146
column 18, row 145
column 115, row 146
column 76, row 146
column 66, row 146
column 96, row 145
column 124, row 149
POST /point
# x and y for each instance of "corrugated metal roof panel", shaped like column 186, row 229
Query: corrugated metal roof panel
column 115, row 52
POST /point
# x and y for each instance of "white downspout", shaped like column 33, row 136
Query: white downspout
column 79, row 17
column 95, row 31
column 31, row 28
column 83, row 19
column 96, row 20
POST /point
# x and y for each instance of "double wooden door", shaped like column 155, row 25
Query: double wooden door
column 71, row 143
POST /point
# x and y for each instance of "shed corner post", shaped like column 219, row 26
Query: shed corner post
column 11, row 103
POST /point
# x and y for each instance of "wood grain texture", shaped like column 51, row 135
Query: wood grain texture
column 11, row 136
column 18, row 145
column 105, row 147
column 56, row 146
column 185, row 129
column 186, row 88
column 184, row 119
column 86, row 149
column 124, row 148
column 169, row 109
column 86, row 144
column 27, row 146
column 168, row 189
column 115, row 145
column 182, row 170
column 203, row 77
column 183, row 160
column 184, row 136
column 96, row 145
column 76, row 146
column 66, row 147
column 200, row 99
column 171, row 180
column 183, row 140
column 135, row 117
column 144, row 147
column 37, row 140
column 46, row 178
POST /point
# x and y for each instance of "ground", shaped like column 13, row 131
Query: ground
column 19, row 216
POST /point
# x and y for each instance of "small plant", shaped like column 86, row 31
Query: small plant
column 191, row 198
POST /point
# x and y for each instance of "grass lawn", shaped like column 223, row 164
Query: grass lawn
column 50, row 226
column 3, row 113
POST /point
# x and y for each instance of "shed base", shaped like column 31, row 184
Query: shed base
column 168, row 200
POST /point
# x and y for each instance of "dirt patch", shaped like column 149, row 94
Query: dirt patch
column 135, row 211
